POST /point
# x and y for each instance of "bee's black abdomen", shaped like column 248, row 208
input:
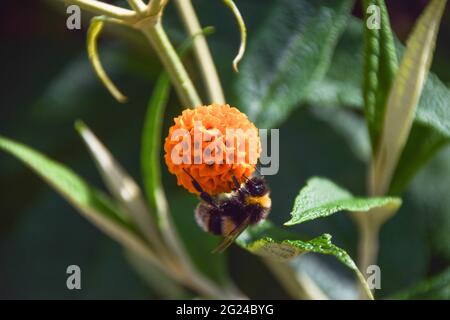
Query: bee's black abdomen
column 257, row 213
column 234, row 209
column 209, row 218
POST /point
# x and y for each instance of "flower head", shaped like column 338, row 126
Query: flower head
column 212, row 144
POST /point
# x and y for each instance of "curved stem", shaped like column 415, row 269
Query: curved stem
column 243, row 30
column 172, row 63
column 202, row 52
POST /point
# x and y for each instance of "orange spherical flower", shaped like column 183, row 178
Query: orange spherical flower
column 212, row 144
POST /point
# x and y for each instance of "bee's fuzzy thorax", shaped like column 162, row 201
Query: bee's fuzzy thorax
column 263, row 201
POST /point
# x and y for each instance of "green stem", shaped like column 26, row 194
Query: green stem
column 155, row 6
column 171, row 61
column 202, row 52
column 369, row 225
column 138, row 6
column 101, row 8
column 367, row 247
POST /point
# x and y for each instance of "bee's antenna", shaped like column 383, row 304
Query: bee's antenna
column 257, row 170
column 194, row 181
column 236, row 182
column 248, row 179
column 187, row 172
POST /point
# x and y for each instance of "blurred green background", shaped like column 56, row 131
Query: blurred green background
column 47, row 83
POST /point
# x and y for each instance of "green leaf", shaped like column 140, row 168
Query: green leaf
column 122, row 186
column 436, row 288
column 423, row 143
column 430, row 132
column 94, row 205
column 286, row 59
column 434, row 106
column 420, row 227
column 340, row 88
column 321, row 198
column 151, row 140
column 404, row 96
column 268, row 241
column 66, row 182
column 429, row 193
column 380, row 67
column 431, row 127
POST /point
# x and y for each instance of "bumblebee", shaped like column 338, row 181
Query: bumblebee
column 229, row 214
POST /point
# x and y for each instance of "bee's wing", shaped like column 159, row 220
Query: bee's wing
column 229, row 238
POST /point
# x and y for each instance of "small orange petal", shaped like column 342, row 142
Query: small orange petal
column 215, row 120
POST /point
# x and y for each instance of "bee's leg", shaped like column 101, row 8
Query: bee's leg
column 203, row 195
column 240, row 191
column 237, row 188
column 237, row 185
